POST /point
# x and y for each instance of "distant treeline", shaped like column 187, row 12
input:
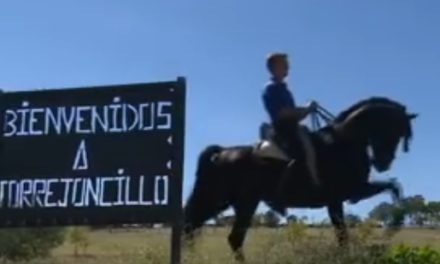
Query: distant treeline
column 413, row 211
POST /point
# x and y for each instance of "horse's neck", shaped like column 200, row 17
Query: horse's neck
column 353, row 128
column 352, row 149
column 334, row 137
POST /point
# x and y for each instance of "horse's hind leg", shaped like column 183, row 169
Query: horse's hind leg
column 197, row 215
column 243, row 219
column 192, row 225
column 336, row 213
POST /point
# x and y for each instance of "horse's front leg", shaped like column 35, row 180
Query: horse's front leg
column 336, row 214
column 370, row 189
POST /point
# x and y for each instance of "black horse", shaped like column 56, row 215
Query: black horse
column 366, row 134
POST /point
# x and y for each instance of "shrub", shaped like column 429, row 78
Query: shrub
column 28, row 243
column 365, row 230
column 404, row 254
column 296, row 231
column 79, row 237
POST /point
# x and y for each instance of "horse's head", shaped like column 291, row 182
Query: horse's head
column 379, row 124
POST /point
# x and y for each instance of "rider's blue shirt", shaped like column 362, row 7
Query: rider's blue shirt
column 276, row 97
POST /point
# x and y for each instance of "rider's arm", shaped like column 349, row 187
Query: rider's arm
column 304, row 111
column 299, row 112
column 278, row 99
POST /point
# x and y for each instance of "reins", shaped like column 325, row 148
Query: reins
column 321, row 113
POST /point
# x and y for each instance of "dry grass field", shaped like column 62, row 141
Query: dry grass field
column 263, row 245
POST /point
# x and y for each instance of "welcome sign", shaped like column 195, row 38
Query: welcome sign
column 92, row 155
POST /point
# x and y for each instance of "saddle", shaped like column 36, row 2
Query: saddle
column 270, row 148
column 267, row 147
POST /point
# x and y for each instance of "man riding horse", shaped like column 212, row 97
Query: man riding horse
column 279, row 101
column 364, row 136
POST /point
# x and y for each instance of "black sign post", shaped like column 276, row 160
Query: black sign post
column 94, row 156
column 176, row 199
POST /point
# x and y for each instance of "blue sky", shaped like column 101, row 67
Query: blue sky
column 341, row 52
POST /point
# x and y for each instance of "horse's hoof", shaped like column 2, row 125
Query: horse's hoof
column 239, row 256
column 354, row 201
column 397, row 192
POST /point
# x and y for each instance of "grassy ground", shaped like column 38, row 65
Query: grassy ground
column 263, row 245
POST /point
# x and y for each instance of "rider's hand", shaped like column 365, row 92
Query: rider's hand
column 312, row 105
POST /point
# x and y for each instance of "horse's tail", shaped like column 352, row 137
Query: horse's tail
column 206, row 159
column 198, row 206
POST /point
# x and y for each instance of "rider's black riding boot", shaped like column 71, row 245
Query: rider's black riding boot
column 278, row 204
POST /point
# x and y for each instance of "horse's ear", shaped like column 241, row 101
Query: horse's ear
column 413, row 116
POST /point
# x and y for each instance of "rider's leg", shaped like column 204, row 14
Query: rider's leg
column 310, row 154
column 294, row 146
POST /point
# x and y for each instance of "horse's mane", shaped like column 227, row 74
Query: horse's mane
column 378, row 100
column 372, row 100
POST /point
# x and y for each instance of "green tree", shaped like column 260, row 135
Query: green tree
column 271, row 219
column 325, row 223
column 292, row 219
column 258, row 220
column 433, row 212
column 382, row 212
column 225, row 220
column 353, row 220
column 416, row 209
